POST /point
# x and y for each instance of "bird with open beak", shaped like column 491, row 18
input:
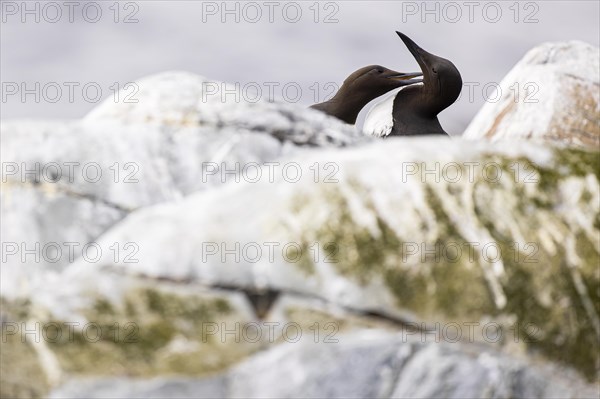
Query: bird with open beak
column 413, row 110
column 363, row 86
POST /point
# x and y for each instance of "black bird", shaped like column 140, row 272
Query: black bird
column 361, row 87
column 415, row 108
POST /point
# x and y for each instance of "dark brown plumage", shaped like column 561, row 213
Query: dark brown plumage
column 361, row 87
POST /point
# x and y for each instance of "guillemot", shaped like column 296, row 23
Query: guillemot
column 414, row 109
column 361, row 87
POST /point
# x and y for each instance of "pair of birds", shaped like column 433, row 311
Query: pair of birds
column 415, row 108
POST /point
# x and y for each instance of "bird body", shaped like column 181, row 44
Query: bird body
column 414, row 109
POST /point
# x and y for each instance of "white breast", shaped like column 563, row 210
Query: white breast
column 379, row 121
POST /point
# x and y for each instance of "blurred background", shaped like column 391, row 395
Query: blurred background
column 304, row 44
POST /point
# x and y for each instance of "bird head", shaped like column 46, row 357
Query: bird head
column 440, row 77
column 373, row 81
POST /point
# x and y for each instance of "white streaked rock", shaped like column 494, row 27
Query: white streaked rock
column 553, row 93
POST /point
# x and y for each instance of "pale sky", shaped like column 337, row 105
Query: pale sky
column 273, row 44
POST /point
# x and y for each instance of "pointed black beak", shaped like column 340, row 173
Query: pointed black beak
column 404, row 79
column 423, row 57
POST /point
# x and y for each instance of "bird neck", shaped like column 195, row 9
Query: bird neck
column 415, row 112
column 344, row 105
column 415, row 125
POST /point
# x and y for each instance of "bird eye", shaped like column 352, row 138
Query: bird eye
column 379, row 70
column 433, row 70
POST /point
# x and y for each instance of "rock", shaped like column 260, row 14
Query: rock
column 102, row 172
column 374, row 226
column 369, row 364
column 313, row 370
column 152, row 388
column 386, row 365
column 376, row 215
column 185, row 99
column 404, row 267
column 553, row 94
column 452, row 371
column 124, row 156
column 119, row 326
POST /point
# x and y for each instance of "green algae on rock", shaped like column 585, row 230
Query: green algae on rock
column 546, row 272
